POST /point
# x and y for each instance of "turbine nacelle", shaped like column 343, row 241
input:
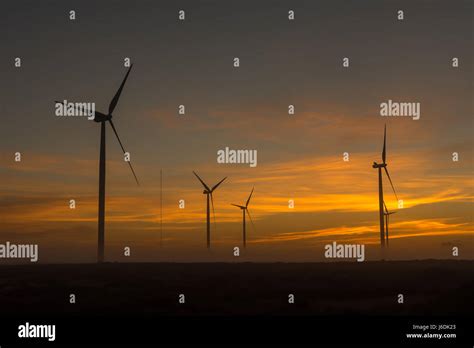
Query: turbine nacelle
column 377, row 165
column 98, row 117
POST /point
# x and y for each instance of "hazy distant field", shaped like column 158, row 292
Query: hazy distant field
column 429, row 288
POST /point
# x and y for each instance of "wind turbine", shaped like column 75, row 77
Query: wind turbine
column 245, row 209
column 208, row 192
column 381, row 201
column 387, row 214
column 102, row 119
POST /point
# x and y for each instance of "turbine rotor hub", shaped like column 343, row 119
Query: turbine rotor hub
column 377, row 165
column 102, row 118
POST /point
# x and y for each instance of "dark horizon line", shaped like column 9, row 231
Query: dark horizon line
column 36, row 264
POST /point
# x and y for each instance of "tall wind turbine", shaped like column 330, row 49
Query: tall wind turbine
column 208, row 192
column 387, row 214
column 381, row 201
column 102, row 119
column 245, row 209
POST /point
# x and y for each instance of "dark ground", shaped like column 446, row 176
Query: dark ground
column 370, row 288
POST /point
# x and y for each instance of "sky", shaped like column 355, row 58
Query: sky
column 300, row 156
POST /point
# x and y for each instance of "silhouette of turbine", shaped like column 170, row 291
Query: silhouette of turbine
column 387, row 214
column 208, row 192
column 245, row 209
column 103, row 118
column 381, row 201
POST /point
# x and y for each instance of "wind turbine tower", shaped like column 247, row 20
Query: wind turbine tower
column 245, row 209
column 103, row 119
column 208, row 192
column 379, row 166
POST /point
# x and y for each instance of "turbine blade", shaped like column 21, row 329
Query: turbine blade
column 123, row 149
column 216, row 185
column 384, row 143
column 235, row 205
column 115, row 100
column 251, row 220
column 202, row 182
column 389, row 179
column 385, row 206
column 248, row 200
